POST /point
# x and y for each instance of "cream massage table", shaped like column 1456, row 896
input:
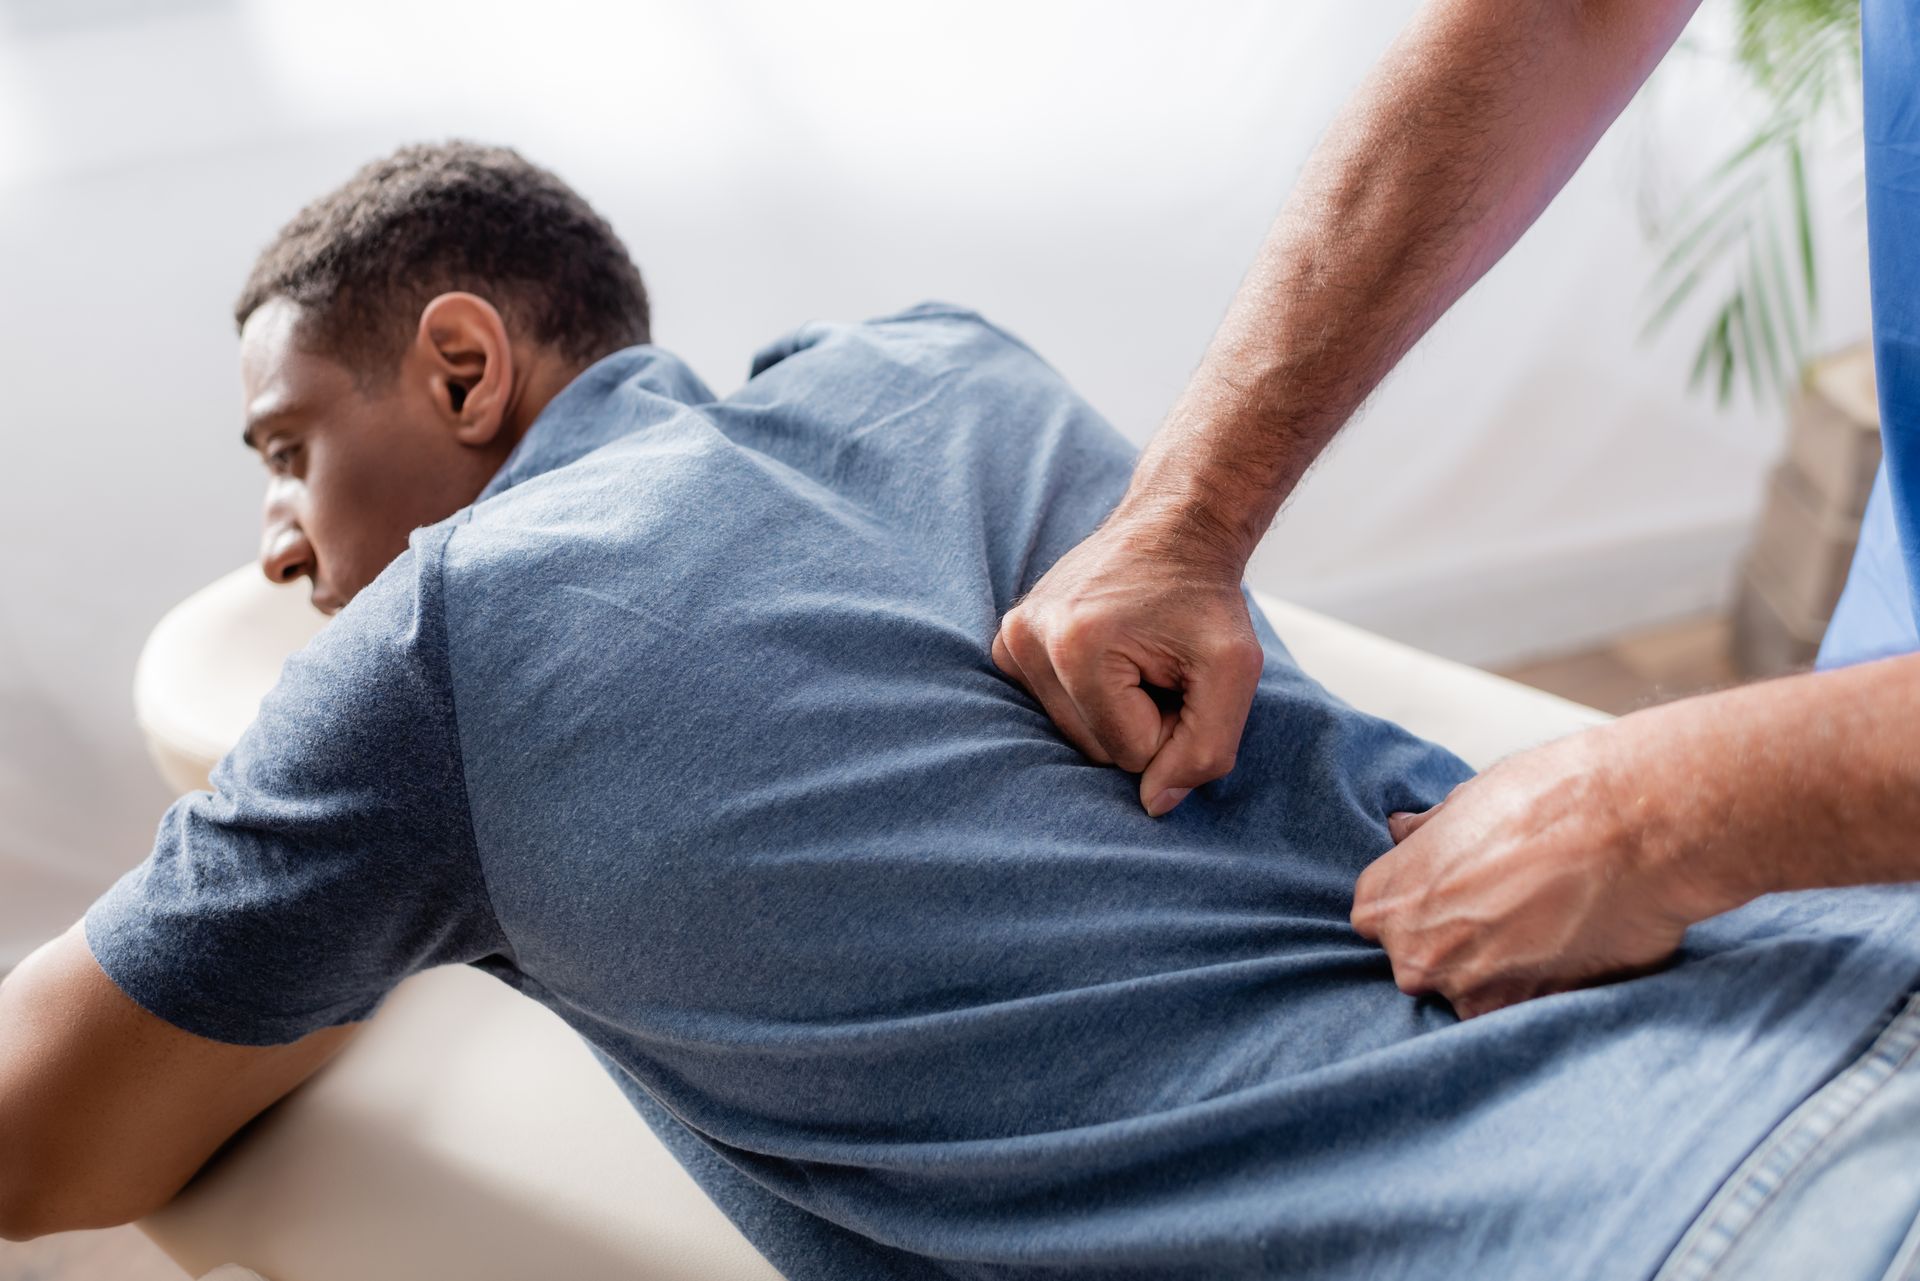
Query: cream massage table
column 467, row 1133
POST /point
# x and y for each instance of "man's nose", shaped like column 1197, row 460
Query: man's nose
column 285, row 553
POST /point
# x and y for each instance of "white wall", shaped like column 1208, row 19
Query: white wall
column 1096, row 176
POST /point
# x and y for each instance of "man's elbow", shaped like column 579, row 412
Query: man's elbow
column 29, row 1217
column 26, row 1213
column 35, row 1203
column 19, row 1214
column 22, row 1214
column 17, row 1223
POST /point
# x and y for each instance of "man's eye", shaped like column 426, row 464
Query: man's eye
column 280, row 457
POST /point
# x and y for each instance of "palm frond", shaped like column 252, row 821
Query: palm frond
column 1748, row 225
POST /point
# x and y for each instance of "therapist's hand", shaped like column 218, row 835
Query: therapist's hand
column 1543, row 874
column 1135, row 605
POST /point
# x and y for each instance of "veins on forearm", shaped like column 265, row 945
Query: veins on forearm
column 1801, row 782
column 1377, row 241
column 1456, row 141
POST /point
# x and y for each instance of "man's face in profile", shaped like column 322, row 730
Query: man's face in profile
column 354, row 466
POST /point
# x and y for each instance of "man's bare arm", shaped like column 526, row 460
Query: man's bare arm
column 1465, row 131
column 105, row 1110
column 1473, row 120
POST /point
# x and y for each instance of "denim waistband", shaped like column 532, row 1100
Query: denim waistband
column 1834, row 1190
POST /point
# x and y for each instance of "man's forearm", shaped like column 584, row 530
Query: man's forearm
column 1476, row 117
column 1797, row 783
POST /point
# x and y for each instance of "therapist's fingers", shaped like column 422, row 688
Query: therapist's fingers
column 1402, row 825
column 1104, row 683
column 1216, row 695
column 1365, row 914
column 1003, row 659
column 1020, row 654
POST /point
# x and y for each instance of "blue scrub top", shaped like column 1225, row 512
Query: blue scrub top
column 1875, row 617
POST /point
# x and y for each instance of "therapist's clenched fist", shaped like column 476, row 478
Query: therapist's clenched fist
column 1538, row 876
column 1128, row 608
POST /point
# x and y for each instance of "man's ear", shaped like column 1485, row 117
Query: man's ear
column 462, row 352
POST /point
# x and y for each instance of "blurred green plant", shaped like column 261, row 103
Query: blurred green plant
column 1748, row 225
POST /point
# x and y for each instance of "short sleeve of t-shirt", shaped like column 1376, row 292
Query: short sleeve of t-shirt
column 335, row 855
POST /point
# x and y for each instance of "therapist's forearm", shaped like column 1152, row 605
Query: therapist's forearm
column 1799, row 783
column 1475, row 118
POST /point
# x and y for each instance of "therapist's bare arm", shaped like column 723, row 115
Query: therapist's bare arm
column 1587, row 859
column 105, row 1110
column 1473, row 120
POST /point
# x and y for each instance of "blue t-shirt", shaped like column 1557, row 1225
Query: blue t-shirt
column 689, row 729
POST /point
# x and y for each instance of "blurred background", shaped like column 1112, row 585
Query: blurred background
column 1537, row 481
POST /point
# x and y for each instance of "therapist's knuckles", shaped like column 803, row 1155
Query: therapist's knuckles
column 1100, row 665
column 1125, row 614
column 1471, row 981
column 1179, row 767
column 1020, row 652
column 1202, row 763
column 1088, row 661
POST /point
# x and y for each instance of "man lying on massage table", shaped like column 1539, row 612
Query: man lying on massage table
column 679, row 715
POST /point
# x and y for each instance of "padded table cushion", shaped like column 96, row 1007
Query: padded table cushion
column 467, row 1132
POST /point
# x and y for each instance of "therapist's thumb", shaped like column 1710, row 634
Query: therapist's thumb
column 1204, row 734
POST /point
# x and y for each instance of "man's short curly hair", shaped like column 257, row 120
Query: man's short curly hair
column 362, row 261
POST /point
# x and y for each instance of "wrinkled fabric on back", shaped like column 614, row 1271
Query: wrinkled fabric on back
column 689, row 730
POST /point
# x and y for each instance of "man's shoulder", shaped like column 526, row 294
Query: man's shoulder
column 941, row 334
column 401, row 611
column 655, row 507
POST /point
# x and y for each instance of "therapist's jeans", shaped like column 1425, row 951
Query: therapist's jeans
column 1834, row 1191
